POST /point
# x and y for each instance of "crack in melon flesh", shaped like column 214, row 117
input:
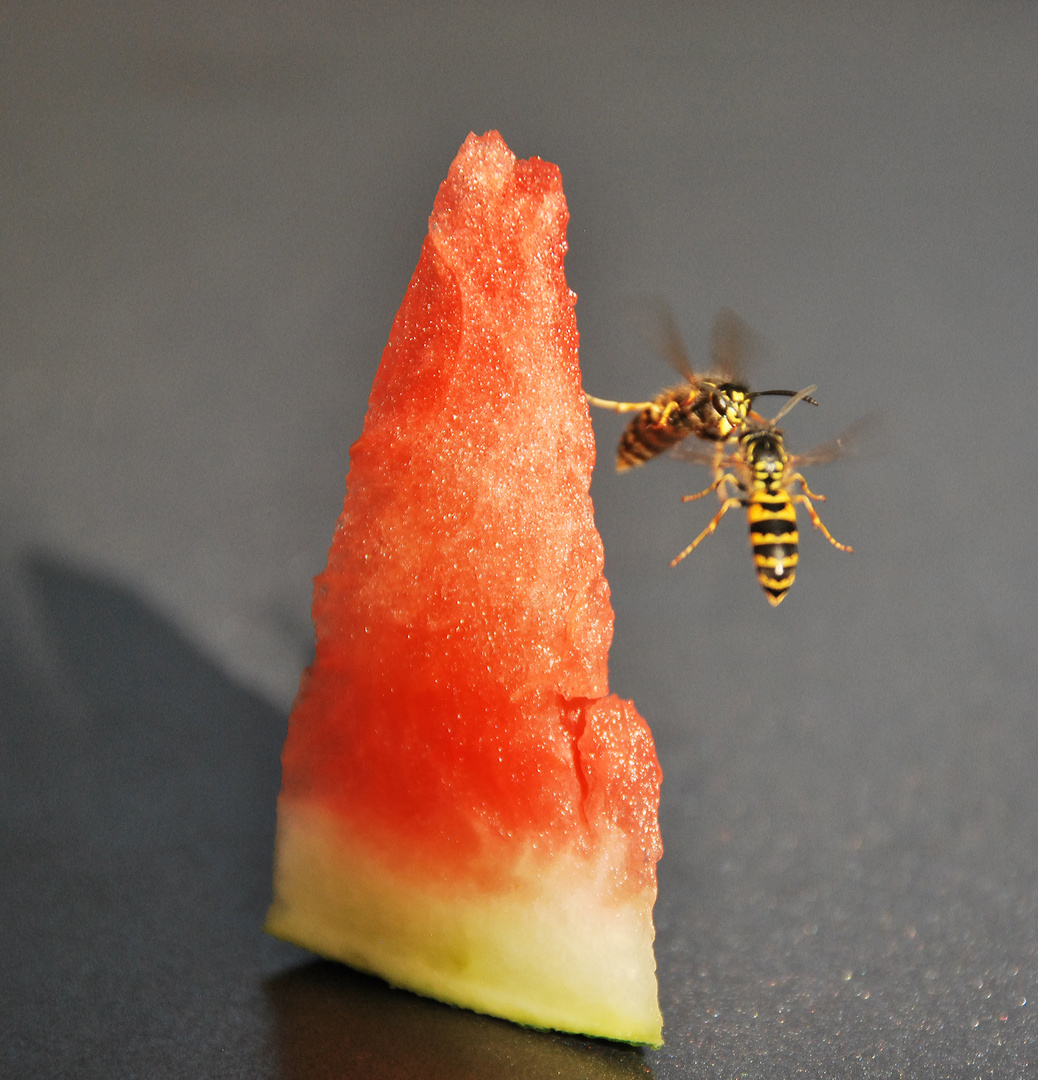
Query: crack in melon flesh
column 465, row 810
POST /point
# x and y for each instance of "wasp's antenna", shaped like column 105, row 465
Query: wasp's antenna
column 801, row 396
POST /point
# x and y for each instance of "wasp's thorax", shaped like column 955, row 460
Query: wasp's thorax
column 765, row 457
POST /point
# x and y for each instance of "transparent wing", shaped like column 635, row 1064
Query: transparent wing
column 734, row 347
column 719, row 455
column 683, row 452
column 653, row 317
column 863, row 435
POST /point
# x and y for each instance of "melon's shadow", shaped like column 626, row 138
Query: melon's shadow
column 148, row 741
column 136, row 836
column 331, row 1021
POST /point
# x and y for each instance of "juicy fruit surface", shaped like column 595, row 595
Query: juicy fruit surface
column 453, row 736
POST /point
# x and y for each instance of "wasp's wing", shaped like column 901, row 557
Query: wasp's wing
column 860, row 436
column 733, row 346
column 655, row 320
column 697, row 457
column 718, row 456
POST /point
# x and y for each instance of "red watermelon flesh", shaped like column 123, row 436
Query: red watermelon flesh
column 464, row 809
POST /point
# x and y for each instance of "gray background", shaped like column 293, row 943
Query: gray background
column 208, row 217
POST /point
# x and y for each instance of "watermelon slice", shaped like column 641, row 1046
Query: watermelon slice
column 465, row 811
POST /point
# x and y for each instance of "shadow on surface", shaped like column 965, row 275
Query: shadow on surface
column 334, row 1022
column 158, row 744
column 136, row 835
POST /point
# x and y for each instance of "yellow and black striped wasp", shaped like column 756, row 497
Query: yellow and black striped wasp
column 763, row 476
column 715, row 407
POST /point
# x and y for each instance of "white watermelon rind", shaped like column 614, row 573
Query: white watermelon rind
column 554, row 950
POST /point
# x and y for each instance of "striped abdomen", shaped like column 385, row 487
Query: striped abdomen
column 773, row 537
column 679, row 412
column 657, row 428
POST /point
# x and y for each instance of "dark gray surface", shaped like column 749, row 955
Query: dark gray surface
column 208, row 221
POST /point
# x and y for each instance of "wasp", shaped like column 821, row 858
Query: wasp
column 763, row 476
column 715, row 407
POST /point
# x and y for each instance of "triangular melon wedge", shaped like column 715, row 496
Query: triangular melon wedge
column 465, row 811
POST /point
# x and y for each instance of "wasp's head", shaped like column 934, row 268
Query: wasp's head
column 731, row 402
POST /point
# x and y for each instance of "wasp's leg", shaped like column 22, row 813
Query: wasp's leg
column 817, row 521
column 618, row 406
column 719, row 461
column 799, row 478
column 662, row 416
column 725, row 507
column 720, row 482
